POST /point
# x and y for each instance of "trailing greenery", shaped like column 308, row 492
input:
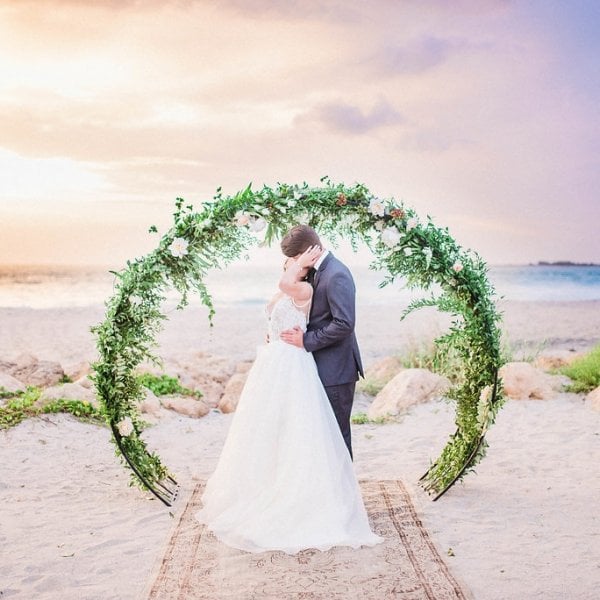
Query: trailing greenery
column 22, row 406
column 584, row 372
column 221, row 231
column 164, row 384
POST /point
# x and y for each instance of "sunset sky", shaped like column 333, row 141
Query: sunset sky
column 483, row 114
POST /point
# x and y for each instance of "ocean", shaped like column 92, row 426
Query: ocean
column 251, row 283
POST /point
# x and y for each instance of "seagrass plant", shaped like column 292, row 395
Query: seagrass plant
column 222, row 230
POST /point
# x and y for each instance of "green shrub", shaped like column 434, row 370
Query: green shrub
column 164, row 384
column 363, row 419
column 22, row 406
column 584, row 371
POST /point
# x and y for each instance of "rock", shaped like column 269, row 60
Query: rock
column 554, row 359
column 10, row 384
column 68, row 391
column 77, row 370
column 86, row 382
column 231, row 396
column 410, row 386
column 523, row 381
column 189, row 407
column 593, row 399
column 31, row 371
column 244, row 366
column 150, row 405
column 379, row 374
column 201, row 372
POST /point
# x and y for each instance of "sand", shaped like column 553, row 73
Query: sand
column 526, row 525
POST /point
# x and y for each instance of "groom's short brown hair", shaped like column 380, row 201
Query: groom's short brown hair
column 298, row 239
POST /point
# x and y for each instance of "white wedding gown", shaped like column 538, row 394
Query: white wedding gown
column 285, row 480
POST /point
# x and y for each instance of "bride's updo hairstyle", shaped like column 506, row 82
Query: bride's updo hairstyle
column 298, row 239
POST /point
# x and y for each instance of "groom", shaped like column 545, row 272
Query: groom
column 330, row 333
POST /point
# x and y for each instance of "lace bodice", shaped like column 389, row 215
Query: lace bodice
column 285, row 315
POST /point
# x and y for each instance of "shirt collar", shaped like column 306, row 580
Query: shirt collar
column 321, row 259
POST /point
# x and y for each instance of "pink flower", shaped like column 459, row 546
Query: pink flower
column 457, row 267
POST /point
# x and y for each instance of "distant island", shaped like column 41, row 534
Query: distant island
column 564, row 263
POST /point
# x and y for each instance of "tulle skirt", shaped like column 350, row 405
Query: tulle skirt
column 285, row 480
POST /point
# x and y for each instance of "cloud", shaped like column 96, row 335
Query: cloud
column 416, row 56
column 346, row 118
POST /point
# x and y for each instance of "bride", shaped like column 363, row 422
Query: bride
column 285, row 480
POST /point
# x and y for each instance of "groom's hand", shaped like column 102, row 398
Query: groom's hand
column 294, row 336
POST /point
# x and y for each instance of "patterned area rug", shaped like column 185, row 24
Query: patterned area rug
column 407, row 565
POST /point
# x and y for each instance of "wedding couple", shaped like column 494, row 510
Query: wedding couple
column 285, row 479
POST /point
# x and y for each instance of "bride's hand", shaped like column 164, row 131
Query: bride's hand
column 309, row 257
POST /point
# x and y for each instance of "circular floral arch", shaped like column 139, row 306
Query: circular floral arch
column 224, row 228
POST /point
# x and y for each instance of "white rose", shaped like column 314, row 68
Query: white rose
column 376, row 207
column 408, row 251
column 457, row 267
column 486, row 394
column 242, row 218
column 379, row 225
column 411, row 223
column 135, row 300
column 291, row 203
column 390, row 236
column 206, row 223
column 125, row 427
column 428, row 254
column 258, row 224
column 179, row 247
column 297, row 195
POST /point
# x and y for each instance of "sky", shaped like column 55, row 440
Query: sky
column 482, row 114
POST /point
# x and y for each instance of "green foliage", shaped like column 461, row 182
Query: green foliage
column 4, row 393
column 370, row 386
column 165, row 384
column 65, row 379
column 199, row 241
column 23, row 406
column 363, row 419
column 584, row 371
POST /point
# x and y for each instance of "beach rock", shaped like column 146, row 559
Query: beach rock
column 593, row 399
column 555, row 359
column 86, row 382
column 409, row 387
column 379, row 374
column 244, row 366
column 150, row 405
column 231, row 396
column 201, row 372
column 10, row 384
column 522, row 381
column 189, row 407
column 67, row 391
column 77, row 370
column 31, row 371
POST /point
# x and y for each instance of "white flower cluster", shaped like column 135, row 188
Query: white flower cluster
column 377, row 207
column 179, row 247
column 244, row 219
column 125, row 427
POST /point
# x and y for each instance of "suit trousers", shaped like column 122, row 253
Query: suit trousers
column 341, row 398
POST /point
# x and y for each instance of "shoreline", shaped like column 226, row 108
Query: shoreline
column 63, row 335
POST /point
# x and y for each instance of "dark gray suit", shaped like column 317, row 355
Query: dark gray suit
column 331, row 339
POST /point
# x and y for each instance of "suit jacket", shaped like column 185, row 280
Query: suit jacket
column 330, row 332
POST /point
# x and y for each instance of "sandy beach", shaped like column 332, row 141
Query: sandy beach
column 526, row 525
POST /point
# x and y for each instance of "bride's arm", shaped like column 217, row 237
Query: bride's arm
column 290, row 282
